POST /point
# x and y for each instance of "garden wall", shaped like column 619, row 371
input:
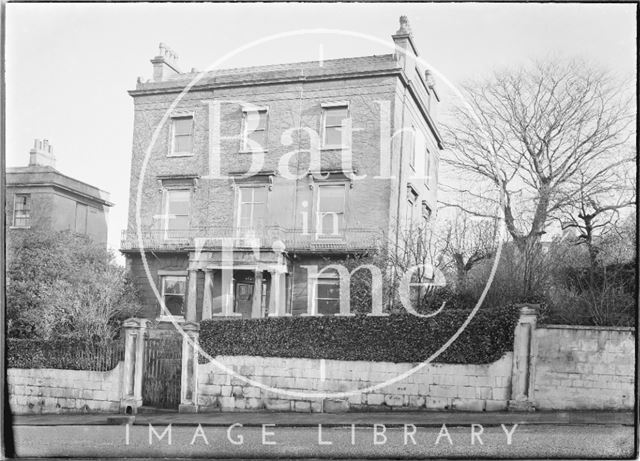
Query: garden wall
column 438, row 386
column 578, row 367
column 47, row 390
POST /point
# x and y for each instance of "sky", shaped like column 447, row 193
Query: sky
column 69, row 66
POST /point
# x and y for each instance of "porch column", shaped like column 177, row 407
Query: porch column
column 134, row 337
column 227, row 293
column 256, row 304
column 277, row 295
column 207, row 296
column 522, row 373
column 189, row 377
column 190, row 314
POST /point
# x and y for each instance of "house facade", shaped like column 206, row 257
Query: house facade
column 247, row 185
column 40, row 197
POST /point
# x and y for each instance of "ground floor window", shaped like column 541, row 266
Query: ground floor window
column 22, row 210
column 328, row 296
column 173, row 293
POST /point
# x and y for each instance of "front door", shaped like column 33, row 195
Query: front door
column 243, row 298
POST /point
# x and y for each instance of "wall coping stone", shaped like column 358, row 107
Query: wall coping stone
column 584, row 327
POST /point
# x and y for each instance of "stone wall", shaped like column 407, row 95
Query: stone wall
column 584, row 368
column 46, row 390
column 434, row 387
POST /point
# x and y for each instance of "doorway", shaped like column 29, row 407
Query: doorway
column 243, row 296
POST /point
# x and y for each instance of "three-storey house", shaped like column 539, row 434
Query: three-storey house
column 246, row 182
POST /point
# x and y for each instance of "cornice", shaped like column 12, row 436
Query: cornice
column 69, row 190
column 267, row 81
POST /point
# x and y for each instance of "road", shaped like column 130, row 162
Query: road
column 583, row 441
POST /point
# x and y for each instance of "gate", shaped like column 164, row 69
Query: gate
column 162, row 372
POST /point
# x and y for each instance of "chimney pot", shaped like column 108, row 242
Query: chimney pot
column 405, row 28
column 42, row 154
column 165, row 65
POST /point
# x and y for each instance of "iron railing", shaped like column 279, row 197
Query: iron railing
column 350, row 239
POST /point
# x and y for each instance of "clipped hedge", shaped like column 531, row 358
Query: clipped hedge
column 396, row 338
column 64, row 354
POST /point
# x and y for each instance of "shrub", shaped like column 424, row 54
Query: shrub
column 64, row 355
column 396, row 338
column 60, row 284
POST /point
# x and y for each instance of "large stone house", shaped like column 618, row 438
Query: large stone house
column 38, row 196
column 245, row 182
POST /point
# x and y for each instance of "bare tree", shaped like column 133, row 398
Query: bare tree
column 466, row 241
column 596, row 211
column 531, row 133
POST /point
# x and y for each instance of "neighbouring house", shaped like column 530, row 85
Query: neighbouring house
column 258, row 174
column 39, row 196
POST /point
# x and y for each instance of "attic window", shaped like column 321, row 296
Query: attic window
column 182, row 135
column 334, row 116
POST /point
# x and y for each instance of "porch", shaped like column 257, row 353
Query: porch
column 243, row 284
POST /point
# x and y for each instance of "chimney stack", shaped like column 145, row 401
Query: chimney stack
column 42, row 154
column 406, row 51
column 165, row 65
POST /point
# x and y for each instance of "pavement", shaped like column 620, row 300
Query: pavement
column 289, row 419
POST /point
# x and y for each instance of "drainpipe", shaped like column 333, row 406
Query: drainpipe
column 295, row 194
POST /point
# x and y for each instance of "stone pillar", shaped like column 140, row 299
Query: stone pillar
column 207, row 296
column 277, row 294
column 189, row 378
column 522, row 376
column 256, row 302
column 132, row 376
column 227, row 293
column 192, row 296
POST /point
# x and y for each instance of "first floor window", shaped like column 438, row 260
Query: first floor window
column 182, row 128
column 22, row 210
column 252, row 203
column 81, row 218
column 173, row 293
column 328, row 296
column 413, row 145
column 412, row 198
column 331, row 208
column 427, row 166
column 176, row 211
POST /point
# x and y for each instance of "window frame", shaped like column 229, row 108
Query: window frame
column 326, row 279
column 427, row 166
column 163, row 277
column 412, row 200
column 27, row 218
column 174, row 118
column 319, row 220
column 79, row 205
column 238, row 229
column 166, row 192
column 254, row 109
column 326, row 107
column 412, row 150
